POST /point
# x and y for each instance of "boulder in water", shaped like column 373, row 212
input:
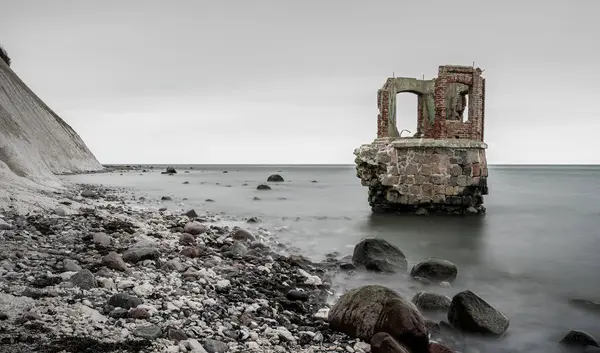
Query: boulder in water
column 579, row 339
column 275, row 178
column 243, row 235
column 191, row 213
column 469, row 313
column 431, row 301
column 263, row 187
column 170, row 170
column 367, row 310
column 435, row 270
column 379, row 255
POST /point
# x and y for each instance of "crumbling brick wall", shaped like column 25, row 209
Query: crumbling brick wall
column 441, row 127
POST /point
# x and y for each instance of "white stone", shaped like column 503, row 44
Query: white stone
column 322, row 314
column 253, row 336
column 223, row 284
column 253, row 346
column 172, row 307
column 126, row 284
column 195, row 346
column 143, row 290
column 310, row 279
column 173, row 349
column 363, row 346
column 283, row 332
column 107, row 283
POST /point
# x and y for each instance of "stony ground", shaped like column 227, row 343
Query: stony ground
column 100, row 275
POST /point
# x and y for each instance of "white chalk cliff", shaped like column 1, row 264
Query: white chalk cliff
column 35, row 143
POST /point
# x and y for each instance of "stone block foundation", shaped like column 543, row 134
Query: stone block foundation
column 418, row 175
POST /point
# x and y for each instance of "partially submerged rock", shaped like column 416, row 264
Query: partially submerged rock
column 379, row 255
column 579, row 339
column 431, row 301
column 367, row 310
column 435, row 270
column 242, row 235
column 275, row 178
column 263, row 187
column 384, row 343
column 469, row 313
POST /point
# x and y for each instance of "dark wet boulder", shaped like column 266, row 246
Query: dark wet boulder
column 137, row 254
column 435, row 270
column 166, row 198
column 275, row 178
column 170, row 170
column 439, row 348
column 431, row 301
column 263, row 187
column 366, row 310
column 242, row 235
column 579, row 339
column 469, row 313
column 191, row 213
column 379, row 255
column 384, row 343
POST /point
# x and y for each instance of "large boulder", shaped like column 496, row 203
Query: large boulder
column 435, row 270
column 142, row 253
column 469, row 313
column 275, row 178
column 367, row 310
column 431, row 301
column 379, row 255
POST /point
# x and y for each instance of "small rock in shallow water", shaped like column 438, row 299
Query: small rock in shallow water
column 162, row 209
column 263, row 187
column 431, row 301
column 379, row 255
column 253, row 220
column 84, row 279
column 275, row 178
column 149, row 332
column 166, row 198
column 191, row 213
column 297, row 295
column 435, row 270
column 579, row 338
column 243, row 235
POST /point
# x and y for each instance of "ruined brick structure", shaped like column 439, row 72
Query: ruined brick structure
column 443, row 166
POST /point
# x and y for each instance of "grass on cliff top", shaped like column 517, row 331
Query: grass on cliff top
column 4, row 55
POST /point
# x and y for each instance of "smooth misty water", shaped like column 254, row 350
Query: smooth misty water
column 535, row 249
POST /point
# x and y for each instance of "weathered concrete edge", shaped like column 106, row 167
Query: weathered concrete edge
column 437, row 143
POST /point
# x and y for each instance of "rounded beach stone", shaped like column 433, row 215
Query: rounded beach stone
column 469, row 313
column 275, row 178
column 435, row 270
column 379, row 255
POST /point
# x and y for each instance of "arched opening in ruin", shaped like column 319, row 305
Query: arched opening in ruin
column 465, row 102
column 407, row 110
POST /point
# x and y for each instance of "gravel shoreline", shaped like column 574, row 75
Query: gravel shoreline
column 101, row 274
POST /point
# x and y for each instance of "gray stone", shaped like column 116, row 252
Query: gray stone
column 71, row 266
column 4, row 225
column 59, row 211
column 297, row 295
column 173, row 265
column 469, row 313
column 150, row 332
column 579, row 339
column 137, row 254
column 166, row 198
column 263, row 187
column 90, row 194
column 471, row 210
column 215, row 346
column 187, row 239
column 84, row 279
column 379, row 255
column 114, row 261
column 194, row 228
column 194, row 346
column 431, row 301
column 243, row 235
column 364, row 311
column 238, row 249
column 435, row 270
column 102, row 240
column 176, row 334
column 421, row 211
column 124, row 300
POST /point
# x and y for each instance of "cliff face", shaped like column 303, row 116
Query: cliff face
column 35, row 143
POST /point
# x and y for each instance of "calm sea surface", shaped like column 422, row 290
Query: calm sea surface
column 536, row 248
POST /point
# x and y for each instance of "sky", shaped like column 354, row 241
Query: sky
column 295, row 82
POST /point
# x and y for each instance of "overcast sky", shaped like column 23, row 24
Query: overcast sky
column 295, row 81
